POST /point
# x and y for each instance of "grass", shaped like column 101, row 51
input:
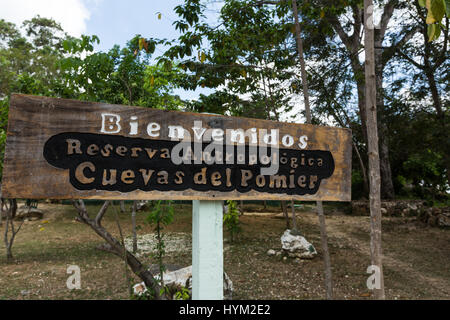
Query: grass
column 415, row 265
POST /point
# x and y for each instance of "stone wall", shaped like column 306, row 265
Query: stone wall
column 407, row 208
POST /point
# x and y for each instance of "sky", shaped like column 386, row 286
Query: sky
column 116, row 22
column 113, row 21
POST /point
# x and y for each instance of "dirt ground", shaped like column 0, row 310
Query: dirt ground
column 416, row 257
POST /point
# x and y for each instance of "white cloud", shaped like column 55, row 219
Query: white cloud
column 71, row 14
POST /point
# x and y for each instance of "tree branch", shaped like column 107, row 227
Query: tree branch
column 386, row 17
column 101, row 213
column 334, row 21
column 390, row 51
column 117, row 248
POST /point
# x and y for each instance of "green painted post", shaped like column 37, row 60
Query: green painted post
column 207, row 250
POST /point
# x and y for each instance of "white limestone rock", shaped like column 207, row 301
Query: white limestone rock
column 296, row 246
column 183, row 278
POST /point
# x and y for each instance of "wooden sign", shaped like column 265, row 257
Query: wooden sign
column 68, row 149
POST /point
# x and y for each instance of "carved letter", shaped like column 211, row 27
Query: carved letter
column 127, row 176
column 112, row 177
column 215, row 179
column 246, row 175
column 146, row 175
column 79, row 172
column 200, row 177
column 73, row 145
column 110, row 123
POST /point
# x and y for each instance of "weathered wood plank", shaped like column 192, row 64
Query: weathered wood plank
column 41, row 163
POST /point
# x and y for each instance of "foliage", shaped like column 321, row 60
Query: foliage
column 231, row 220
column 160, row 216
column 27, row 63
column 436, row 11
column 41, row 59
column 119, row 76
column 183, row 294
column 244, row 58
column 247, row 55
column 427, row 170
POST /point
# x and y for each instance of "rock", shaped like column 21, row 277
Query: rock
column 177, row 279
column 142, row 205
column 435, row 217
column 296, row 246
column 390, row 208
column 405, row 212
column 139, row 289
column 432, row 221
column 25, row 292
column 271, row 252
column 443, row 220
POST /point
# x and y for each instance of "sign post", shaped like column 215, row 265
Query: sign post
column 68, row 149
column 207, row 250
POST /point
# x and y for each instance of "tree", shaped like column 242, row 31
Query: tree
column 27, row 65
column 243, row 61
column 323, row 230
column 436, row 11
column 47, row 62
column 382, row 56
column 428, row 61
column 372, row 136
column 120, row 76
column 114, row 246
column 9, row 210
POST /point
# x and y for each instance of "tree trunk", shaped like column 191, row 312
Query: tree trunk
column 9, row 242
column 360, row 89
column 435, row 94
column 363, row 169
column 286, row 215
column 10, row 213
column 323, row 228
column 133, row 225
column 116, row 248
column 326, row 257
column 372, row 135
column 294, row 218
column 387, row 186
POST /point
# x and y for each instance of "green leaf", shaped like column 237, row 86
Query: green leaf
column 422, row 3
column 437, row 32
column 434, row 31
column 322, row 14
column 436, row 10
column 141, row 43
